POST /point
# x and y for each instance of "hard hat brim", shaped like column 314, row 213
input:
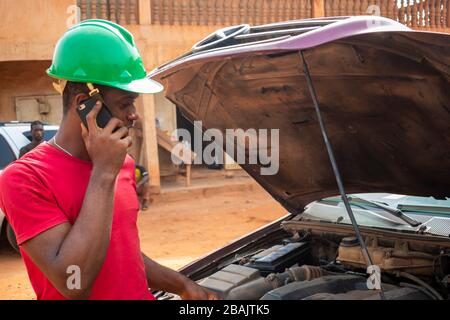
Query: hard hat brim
column 145, row 85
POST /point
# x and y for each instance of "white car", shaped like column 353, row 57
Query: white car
column 13, row 136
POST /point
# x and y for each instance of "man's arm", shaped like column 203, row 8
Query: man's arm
column 144, row 176
column 143, row 181
column 162, row 278
column 85, row 243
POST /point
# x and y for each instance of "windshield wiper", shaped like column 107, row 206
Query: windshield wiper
column 395, row 212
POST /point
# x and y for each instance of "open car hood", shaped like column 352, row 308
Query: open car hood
column 383, row 91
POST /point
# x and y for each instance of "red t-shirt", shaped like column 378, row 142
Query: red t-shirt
column 45, row 188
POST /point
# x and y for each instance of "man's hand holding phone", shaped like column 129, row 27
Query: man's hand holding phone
column 107, row 147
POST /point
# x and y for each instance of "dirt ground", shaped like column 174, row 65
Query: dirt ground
column 172, row 233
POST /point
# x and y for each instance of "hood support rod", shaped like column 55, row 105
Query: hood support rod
column 337, row 174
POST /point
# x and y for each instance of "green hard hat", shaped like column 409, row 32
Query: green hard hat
column 102, row 52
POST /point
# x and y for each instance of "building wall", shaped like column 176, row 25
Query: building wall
column 22, row 79
column 30, row 29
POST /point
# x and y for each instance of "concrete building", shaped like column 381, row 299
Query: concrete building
column 163, row 30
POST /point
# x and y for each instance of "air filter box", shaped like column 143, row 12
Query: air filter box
column 228, row 278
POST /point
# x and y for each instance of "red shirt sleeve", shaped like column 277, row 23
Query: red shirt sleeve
column 28, row 204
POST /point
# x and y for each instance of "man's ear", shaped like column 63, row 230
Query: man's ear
column 79, row 98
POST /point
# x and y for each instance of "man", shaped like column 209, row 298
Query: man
column 37, row 136
column 72, row 201
column 142, row 186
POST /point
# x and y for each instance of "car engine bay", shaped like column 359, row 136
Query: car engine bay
column 316, row 264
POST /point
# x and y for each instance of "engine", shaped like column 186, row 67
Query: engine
column 296, row 270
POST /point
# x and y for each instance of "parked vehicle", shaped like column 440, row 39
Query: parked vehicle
column 382, row 91
column 13, row 136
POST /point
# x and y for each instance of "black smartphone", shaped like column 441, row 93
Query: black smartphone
column 86, row 106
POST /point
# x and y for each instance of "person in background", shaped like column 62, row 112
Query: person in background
column 37, row 135
column 142, row 186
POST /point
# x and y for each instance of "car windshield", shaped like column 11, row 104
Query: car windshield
column 432, row 215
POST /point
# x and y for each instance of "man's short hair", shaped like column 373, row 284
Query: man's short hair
column 36, row 123
column 73, row 88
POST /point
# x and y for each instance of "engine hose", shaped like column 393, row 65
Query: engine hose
column 255, row 289
column 409, row 276
column 421, row 289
